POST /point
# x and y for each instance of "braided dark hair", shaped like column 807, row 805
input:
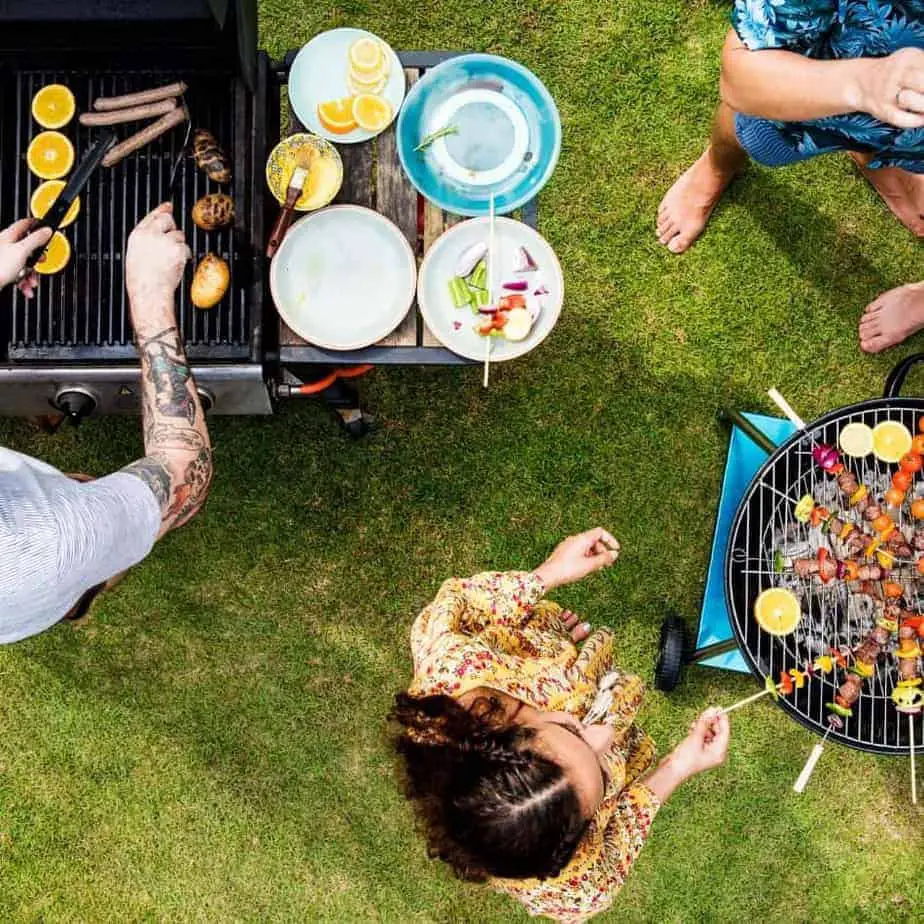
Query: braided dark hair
column 489, row 804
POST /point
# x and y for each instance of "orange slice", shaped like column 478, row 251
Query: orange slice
column 336, row 115
column 50, row 155
column 371, row 112
column 53, row 106
column 366, row 56
column 56, row 255
column 44, row 197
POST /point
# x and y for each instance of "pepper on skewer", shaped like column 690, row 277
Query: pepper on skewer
column 863, row 667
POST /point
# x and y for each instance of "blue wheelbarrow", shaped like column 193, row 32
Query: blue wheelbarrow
column 753, row 438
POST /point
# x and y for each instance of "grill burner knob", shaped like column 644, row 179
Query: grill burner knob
column 75, row 403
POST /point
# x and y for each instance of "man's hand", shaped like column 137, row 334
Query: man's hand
column 892, row 88
column 577, row 556
column 17, row 244
column 155, row 258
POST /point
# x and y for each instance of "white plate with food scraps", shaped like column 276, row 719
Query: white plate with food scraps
column 343, row 277
column 525, row 266
column 321, row 72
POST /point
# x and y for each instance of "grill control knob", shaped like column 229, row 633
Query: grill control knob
column 75, row 403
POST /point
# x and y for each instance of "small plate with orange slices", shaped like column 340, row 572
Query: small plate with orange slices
column 346, row 85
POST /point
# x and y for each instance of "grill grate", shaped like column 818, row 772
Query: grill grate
column 82, row 312
column 831, row 616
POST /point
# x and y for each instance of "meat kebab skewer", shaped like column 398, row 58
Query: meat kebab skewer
column 907, row 695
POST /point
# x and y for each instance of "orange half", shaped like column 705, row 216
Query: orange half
column 56, row 255
column 44, row 197
column 53, row 106
column 50, row 155
column 336, row 115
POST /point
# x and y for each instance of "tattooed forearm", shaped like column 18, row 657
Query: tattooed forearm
column 178, row 465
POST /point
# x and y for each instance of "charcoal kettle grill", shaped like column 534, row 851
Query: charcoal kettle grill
column 832, row 617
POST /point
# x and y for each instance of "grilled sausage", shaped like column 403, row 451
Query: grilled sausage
column 216, row 210
column 147, row 134
column 132, row 114
column 210, row 157
column 108, row 103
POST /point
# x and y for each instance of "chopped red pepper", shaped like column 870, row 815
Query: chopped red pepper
column 509, row 302
column 786, row 685
column 841, row 701
column 822, row 558
column 839, row 659
column 819, row 515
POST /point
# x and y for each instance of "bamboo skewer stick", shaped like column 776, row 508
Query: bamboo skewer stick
column 744, row 702
column 914, row 777
column 809, row 768
column 487, row 340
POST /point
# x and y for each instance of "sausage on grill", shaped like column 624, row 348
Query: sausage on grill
column 132, row 114
column 108, row 103
column 147, row 134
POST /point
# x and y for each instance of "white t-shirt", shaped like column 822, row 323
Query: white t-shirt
column 60, row 537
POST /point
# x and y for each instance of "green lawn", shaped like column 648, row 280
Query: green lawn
column 211, row 746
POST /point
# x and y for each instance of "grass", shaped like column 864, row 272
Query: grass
column 210, row 747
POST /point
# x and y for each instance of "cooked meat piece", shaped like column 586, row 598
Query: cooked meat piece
column 145, row 136
column 880, row 636
column 850, row 689
column 892, row 611
column 872, row 511
column 870, row 573
column 868, row 651
column 917, row 539
column 805, row 567
column 835, row 526
column 108, row 103
column 908, row 669
column 132, row 114
column 848, row 483
column 856, row 542
column 906, row 632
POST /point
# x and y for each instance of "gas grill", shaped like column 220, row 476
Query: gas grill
column 831, row 615
column 70, row 348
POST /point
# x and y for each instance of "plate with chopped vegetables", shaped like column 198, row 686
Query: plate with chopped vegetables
column 464, row 299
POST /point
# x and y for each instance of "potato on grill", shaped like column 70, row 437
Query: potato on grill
column 216, row 210
column 210, row 157
column 210, row 281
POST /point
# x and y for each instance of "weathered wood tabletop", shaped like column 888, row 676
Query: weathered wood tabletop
column 373, row 177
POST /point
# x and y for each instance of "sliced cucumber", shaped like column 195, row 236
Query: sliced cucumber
column 459, row 292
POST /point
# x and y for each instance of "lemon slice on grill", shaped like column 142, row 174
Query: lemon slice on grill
column 777, row 611
column 891, row 440
column 856, row 440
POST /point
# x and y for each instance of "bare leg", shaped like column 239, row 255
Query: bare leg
column 686, row 208
column 891, row 318
column 901, row 190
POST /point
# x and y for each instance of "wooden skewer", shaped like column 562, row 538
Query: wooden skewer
column 809, row 768
column 744, row 702
column 786, row 408
column 487, row 340
column 914, row 776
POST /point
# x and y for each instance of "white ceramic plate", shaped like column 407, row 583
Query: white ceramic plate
column 343, row 278
column 319, row 73
column 454, row 326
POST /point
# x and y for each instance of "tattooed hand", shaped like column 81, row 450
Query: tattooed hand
column 178, row 464
column 154, row 261
column 17, row 244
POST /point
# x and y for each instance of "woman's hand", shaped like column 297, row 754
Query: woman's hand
column 17, row 244
column 892, row 88
column 577, row 556
column 705, row 747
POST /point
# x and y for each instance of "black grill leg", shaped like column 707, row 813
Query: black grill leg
column 343, row 399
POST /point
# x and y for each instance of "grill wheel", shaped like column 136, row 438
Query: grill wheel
column 763, row 522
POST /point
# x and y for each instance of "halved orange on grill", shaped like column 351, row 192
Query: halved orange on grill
column 336, row 115
column 56, row 255
column 50, row 155
column 53, row 106
column 777, row 611
column 44, row 197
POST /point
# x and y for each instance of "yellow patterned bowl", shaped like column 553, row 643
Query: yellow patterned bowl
column 325, row 174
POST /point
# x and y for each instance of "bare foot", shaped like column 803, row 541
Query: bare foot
column 684, row 211
column 891, row 318
column 901, row 190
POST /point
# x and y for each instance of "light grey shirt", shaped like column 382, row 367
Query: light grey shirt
column 60, row 537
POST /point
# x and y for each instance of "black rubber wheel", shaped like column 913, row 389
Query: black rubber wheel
column 672, row 653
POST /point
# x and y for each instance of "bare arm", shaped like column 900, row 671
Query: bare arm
column 177, row 466
column 789, row 87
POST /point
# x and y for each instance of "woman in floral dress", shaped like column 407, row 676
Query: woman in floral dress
column 807, row 77
column 521, row 751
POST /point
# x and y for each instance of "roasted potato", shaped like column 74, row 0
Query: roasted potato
column 214, row 211
column 210, row 281
column 210, row 157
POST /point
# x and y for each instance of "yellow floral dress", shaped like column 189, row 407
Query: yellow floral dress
column 493, row 630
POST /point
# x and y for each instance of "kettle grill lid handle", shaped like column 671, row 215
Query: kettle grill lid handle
column 896, row 378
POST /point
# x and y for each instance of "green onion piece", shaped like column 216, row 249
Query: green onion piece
column 427, row 140
column 459, row 291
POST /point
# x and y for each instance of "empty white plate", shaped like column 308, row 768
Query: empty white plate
column 343, row 278
column 454, row 327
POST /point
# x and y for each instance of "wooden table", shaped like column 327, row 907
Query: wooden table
column 373, row 177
